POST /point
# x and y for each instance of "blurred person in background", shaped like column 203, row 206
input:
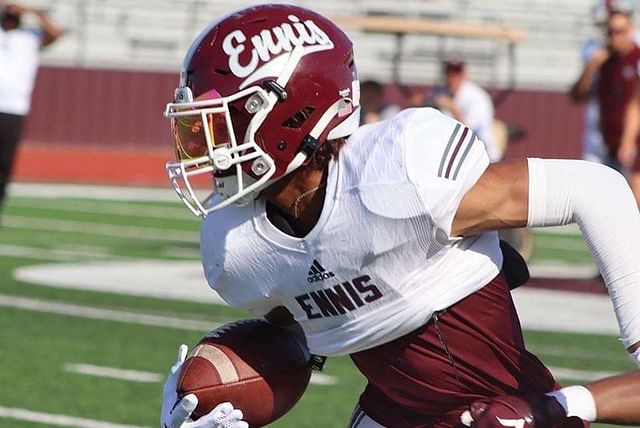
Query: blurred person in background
column 374, row 105
column 468, row 103
column 593, row 148
column 610, row 76
column 19, row 55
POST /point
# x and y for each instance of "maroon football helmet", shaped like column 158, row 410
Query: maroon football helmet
column 260, row 90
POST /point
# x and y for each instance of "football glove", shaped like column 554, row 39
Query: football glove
column 177, row 414
column 533, row 411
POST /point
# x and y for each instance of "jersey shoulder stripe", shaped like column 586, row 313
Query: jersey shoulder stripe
column 455, row 154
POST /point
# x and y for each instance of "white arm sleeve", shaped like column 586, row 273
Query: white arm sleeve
column 599, row 200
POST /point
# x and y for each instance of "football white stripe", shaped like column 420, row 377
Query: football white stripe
column 223, row 365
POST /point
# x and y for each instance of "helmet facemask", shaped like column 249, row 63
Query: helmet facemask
column 206, row 146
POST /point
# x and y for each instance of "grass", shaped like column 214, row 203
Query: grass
column 36, row 346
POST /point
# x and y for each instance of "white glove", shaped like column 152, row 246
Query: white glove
column 176, row 414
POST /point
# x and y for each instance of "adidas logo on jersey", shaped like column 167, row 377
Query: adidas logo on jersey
column 318, row 273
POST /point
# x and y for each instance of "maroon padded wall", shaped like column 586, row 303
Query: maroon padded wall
column 108, row 108
column 123, row 109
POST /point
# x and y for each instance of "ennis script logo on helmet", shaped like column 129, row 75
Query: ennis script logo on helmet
column 271, row 43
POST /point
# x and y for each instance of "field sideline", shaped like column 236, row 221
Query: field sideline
column 88, row 294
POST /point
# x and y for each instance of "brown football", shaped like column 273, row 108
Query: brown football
column 258, row 367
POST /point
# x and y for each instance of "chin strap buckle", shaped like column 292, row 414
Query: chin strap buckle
column 309, row 145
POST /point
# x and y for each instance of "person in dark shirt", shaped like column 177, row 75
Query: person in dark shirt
column 614, row 72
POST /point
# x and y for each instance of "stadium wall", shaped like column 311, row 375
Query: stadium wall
column 114, row 109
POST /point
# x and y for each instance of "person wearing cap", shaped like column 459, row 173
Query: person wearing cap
column 609, row 77
column 468, row 103
column 19, row 56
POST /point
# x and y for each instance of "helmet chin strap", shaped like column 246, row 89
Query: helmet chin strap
column 317, row 130
column 311, row 141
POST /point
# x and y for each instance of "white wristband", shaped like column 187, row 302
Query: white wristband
column 635, row 357
column 576, row 401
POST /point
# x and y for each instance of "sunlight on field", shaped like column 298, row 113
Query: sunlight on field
column 100, row 354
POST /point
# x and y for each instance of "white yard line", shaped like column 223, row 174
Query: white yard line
column 38, row 253
column 565, row 311
column 50, row 419
column 558, row 269
column 149, row 377
column 554, row 243
column 578, row 353
column 100, row 229
column 60, row 254
column 583, row 375
column 103, row 207
column 99, row 192
column 113, row 373
column 160, row 279
column 127, row 317
column 571, row 229
column 323, row 379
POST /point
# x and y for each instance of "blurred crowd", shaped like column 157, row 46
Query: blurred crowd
column 608, row 85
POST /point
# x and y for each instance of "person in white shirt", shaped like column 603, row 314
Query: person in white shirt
column 19, row 53
column 467, row 102
column 378, row 241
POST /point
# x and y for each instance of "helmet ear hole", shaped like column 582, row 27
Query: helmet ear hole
column 299, row 118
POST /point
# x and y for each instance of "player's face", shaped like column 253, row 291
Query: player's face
column 619, row 32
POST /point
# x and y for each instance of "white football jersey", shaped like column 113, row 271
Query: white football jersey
column 380, row 260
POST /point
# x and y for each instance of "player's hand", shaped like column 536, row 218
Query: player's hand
column 599, row 57
column 222, row 416
column 534, row 411
column 177, row 414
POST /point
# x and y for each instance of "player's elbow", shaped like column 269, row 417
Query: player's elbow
column 606, row 175
column 602, row 186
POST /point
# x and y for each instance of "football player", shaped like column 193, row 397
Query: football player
column 379, row 241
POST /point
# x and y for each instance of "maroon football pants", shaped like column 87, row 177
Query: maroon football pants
column 472, row 350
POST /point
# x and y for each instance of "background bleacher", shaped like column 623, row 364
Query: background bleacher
column 153, row 34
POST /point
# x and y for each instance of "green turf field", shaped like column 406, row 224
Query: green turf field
column 49, row 333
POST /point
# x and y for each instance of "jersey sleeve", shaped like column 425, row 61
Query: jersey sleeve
column 443, row 159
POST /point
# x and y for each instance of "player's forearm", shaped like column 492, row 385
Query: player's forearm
column 617, row 398
column 600, row 201
column 580, row 89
